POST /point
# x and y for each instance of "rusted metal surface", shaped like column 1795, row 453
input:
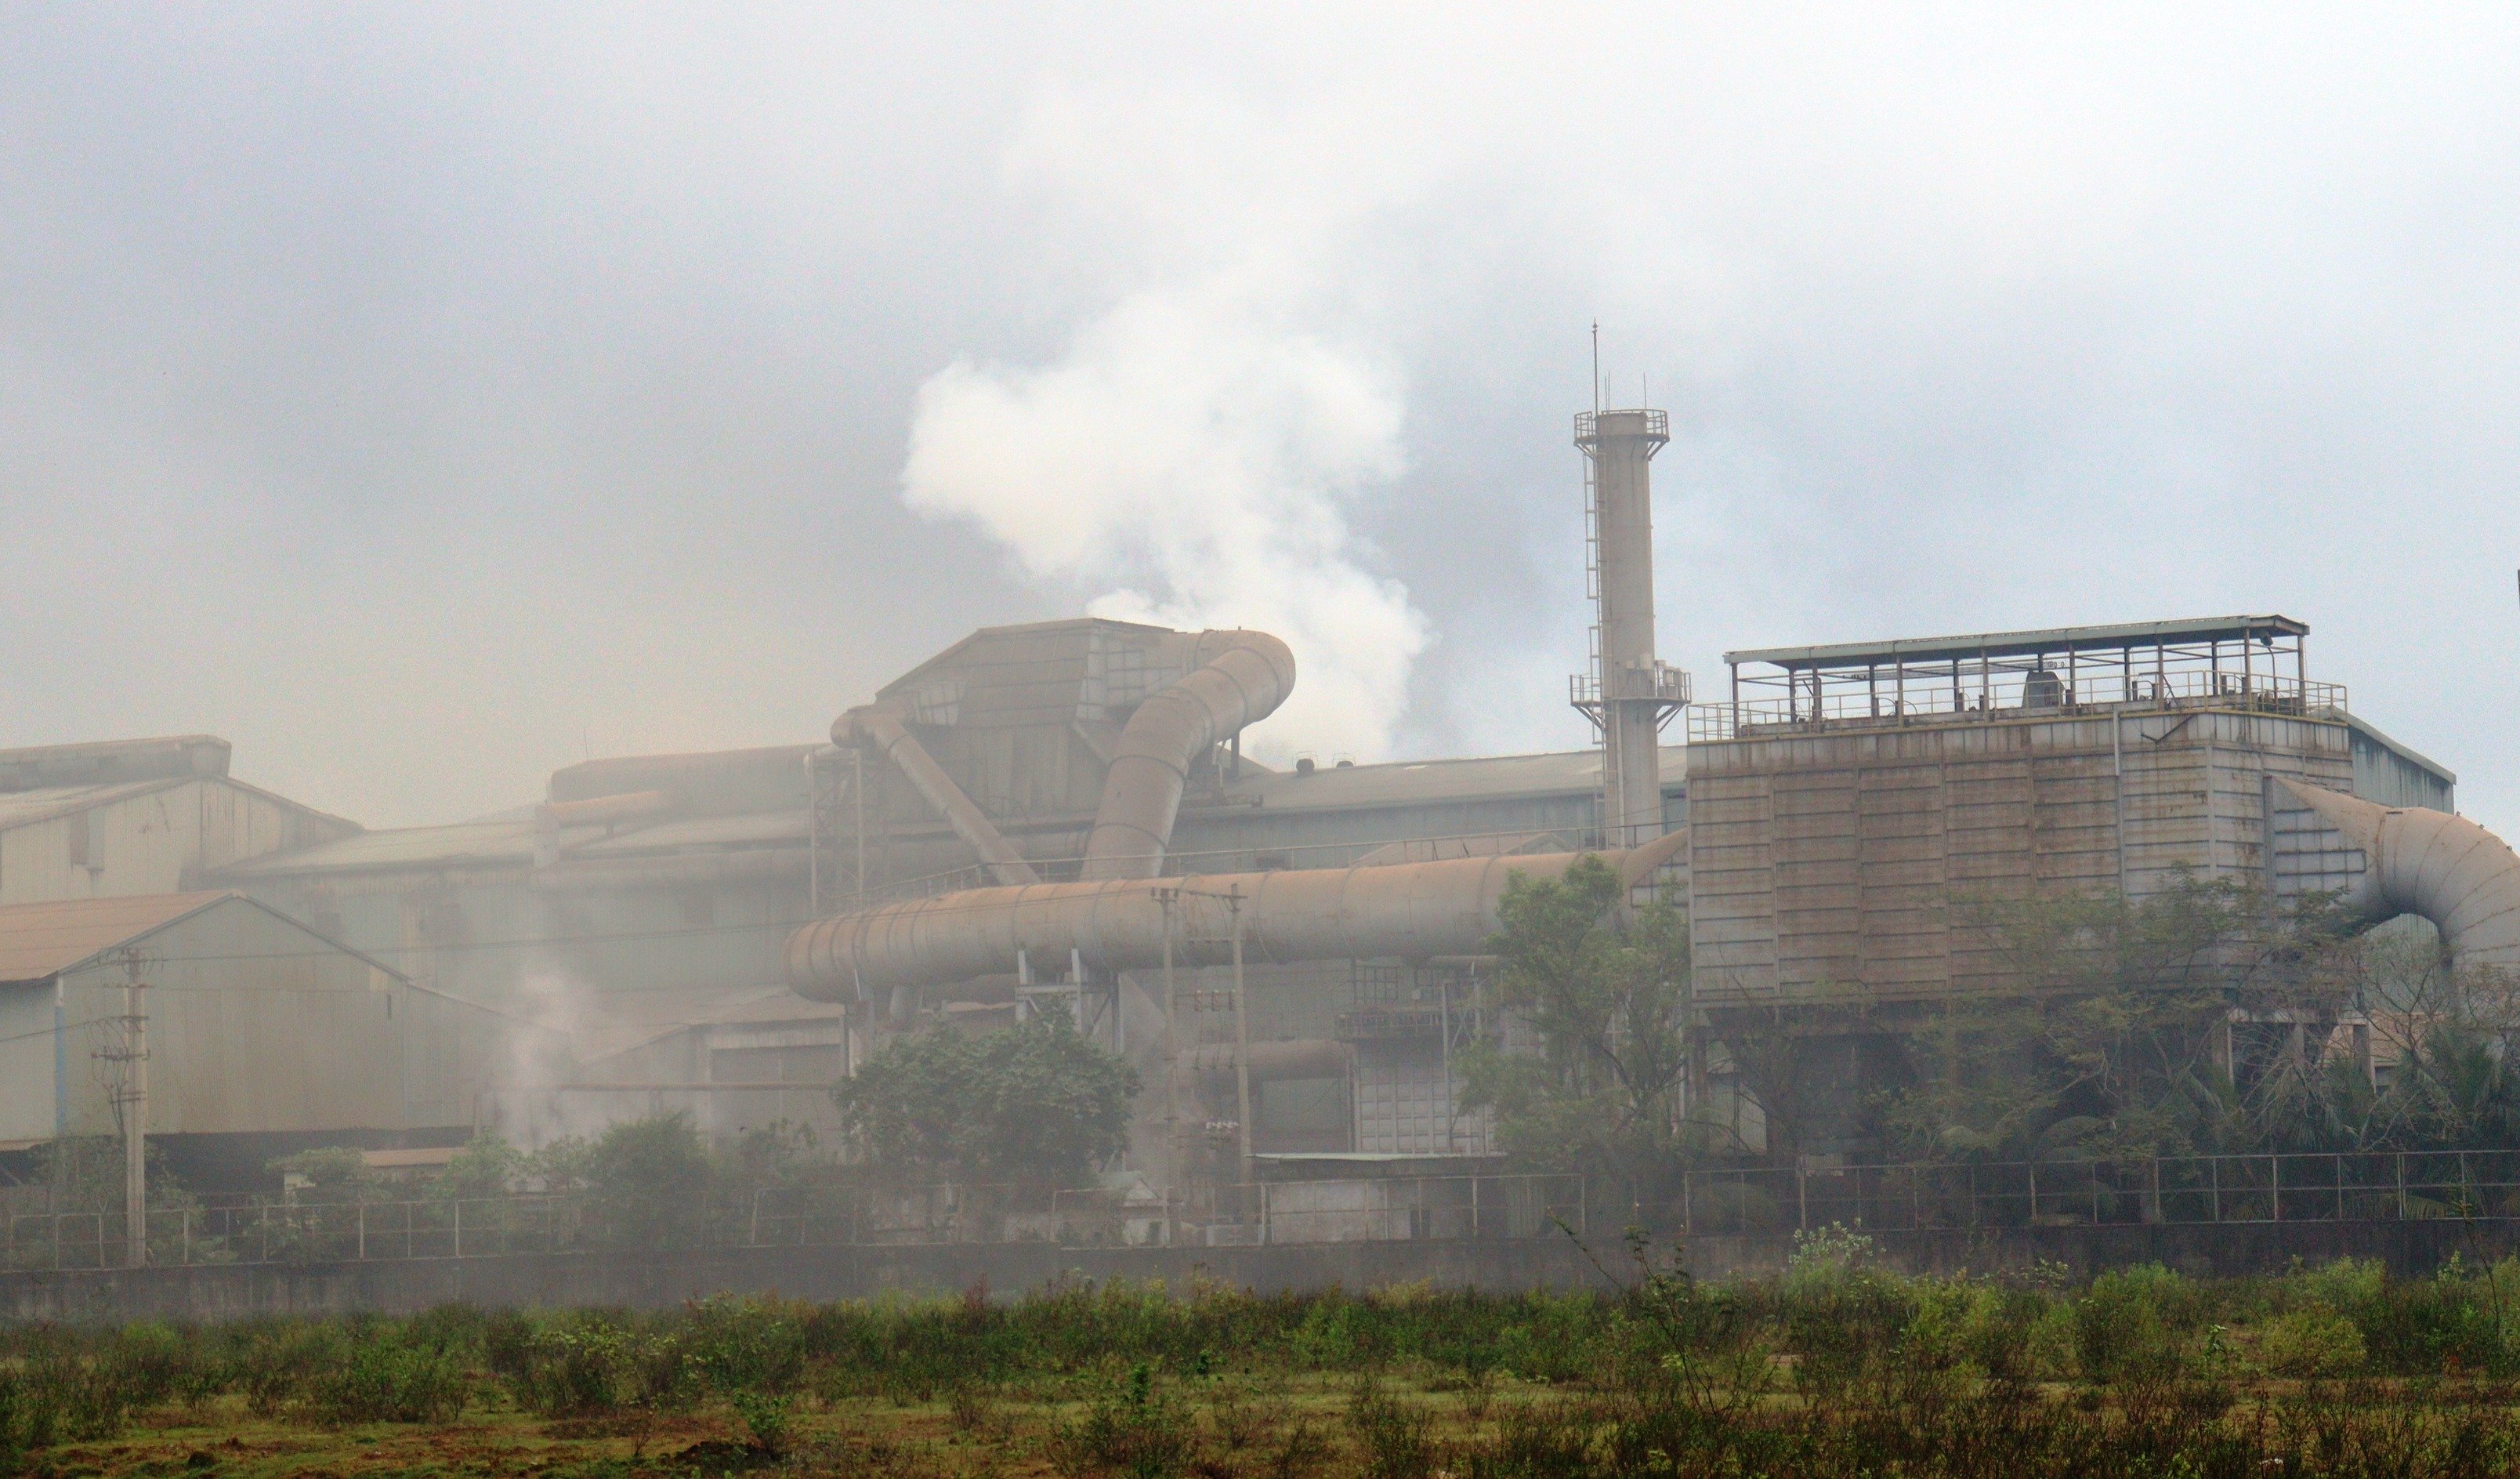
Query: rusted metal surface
column 1241, row 679
column 1844, row 865
column 881, row 725
column 607, row 811
column 1410, row 911
column 40, row 940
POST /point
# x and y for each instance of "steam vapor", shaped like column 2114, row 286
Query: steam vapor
column 1195, row 454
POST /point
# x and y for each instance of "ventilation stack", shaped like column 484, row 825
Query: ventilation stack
column 1628, row 694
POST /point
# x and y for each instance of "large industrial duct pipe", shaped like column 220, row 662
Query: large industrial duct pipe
column 1410, row 911
column 2418, row 860
column 1240, row 678
column 882, row 725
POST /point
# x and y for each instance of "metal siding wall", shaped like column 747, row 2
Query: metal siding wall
column 1901, row 856
column 162, row 841
column 251, row 1027
column 1731, row 875
column 34, row 866
column 2381, row 774
column 1848, row 858
column 27, row 1062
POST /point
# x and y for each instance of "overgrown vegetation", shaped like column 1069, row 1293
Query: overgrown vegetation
column 1836, row 1368
column 2204, row 1020
column 2207, row 1018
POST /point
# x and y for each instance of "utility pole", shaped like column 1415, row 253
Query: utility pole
column 1172, row 1062
column 131, row 1105
column 1242, row 1039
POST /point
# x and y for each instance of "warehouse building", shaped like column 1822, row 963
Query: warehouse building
column 260, row 1036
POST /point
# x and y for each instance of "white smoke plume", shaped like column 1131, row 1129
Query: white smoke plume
column 1195, row 452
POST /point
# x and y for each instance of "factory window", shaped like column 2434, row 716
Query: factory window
column 75, row 826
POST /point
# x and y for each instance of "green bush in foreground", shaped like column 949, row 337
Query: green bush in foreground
column 1837, row 1367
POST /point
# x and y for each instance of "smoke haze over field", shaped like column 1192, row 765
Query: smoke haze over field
column 423, row 399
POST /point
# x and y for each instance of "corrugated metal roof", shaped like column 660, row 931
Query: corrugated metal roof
column 752, row 827
column 20, row 808
column 2058, row 640
column 173, row 757
column 607, row 1025
column 451, row 846
column 508, row 842
column 1406, row 783
column 40, row 940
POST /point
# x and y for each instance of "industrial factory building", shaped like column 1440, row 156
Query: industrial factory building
column 259, row 1035
column 1296, row 958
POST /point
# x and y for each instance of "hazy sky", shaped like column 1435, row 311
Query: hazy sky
column 425, row 398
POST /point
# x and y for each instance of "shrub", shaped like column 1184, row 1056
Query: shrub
column 156, row 1363
column 273, row 1363
column 1130, row 1426
column 389, row 1377
column 767, row 1416
column 2312, row 1341
column 2127, row 1325
column 1399, row 1440
column 743, row 1345
column 576, row 1369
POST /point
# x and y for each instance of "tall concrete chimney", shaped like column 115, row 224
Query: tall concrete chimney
column 1628, row 694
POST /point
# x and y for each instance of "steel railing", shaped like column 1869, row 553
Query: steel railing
column 2378, row 1186
column 1942, row 703
column 1439, row 1208
column 2385, row 1187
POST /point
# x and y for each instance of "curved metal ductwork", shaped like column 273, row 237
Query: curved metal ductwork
column 1412, row 911
column 1240, row 678
column 882, row 725
column 2418, row 860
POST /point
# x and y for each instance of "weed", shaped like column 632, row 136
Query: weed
column 1300, row 1453
column 768, row 1416
column 1398, row 1437
column 1132, row 1426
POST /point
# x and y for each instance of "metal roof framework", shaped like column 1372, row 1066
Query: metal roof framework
column 2259, row 661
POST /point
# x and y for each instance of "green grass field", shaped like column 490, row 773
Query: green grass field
column 1835, row 1368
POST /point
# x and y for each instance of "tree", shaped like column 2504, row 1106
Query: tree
column 1606, row 988
column 1034, row 1103
column 644, row 1183
column 2109, row 1032
column 487, row 1165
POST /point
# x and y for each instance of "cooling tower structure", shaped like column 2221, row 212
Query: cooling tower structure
column 1630, row 694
